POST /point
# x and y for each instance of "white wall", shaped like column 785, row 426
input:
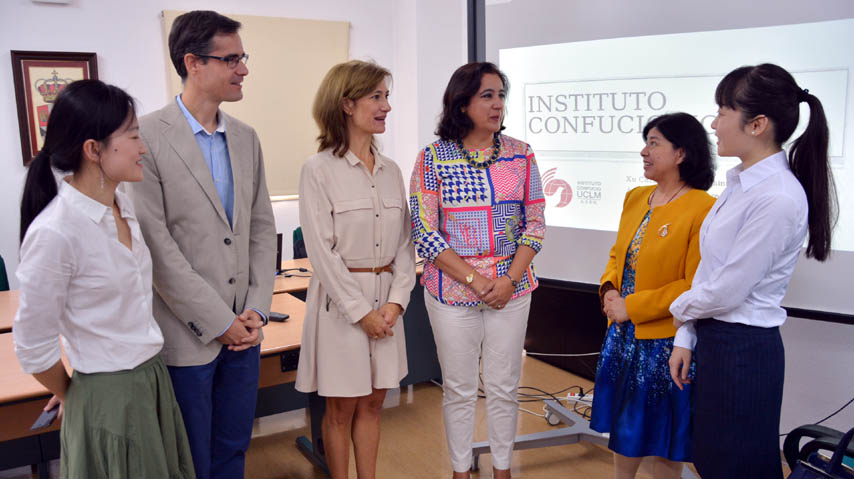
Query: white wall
column 128, row 37
column 818, row 373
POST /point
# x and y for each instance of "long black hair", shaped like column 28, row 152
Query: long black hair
column 454, row 124
column 86, row 109
column 770, row 90
column 684, row 131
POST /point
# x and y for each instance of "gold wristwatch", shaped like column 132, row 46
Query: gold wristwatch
column 470, row 278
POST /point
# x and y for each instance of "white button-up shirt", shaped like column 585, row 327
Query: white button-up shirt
column 749, row 245
column 78, row 281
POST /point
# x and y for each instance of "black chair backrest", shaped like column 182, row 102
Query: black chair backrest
column 299, row 244
column 4, row 280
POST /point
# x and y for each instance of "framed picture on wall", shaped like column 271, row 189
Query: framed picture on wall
column 39, row 77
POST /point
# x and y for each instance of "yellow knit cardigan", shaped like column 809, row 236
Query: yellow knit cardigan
column 667, row 260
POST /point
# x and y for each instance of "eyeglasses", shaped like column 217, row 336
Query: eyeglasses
column 230, row 60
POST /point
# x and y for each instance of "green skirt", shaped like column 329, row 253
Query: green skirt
column 124, row 424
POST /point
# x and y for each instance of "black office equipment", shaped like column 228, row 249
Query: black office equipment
column 278, row 253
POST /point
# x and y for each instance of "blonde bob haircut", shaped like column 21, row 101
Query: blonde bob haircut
column 350, row 80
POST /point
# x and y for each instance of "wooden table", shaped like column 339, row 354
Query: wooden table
column 18, row 389
column 22, row 397
column 281, row 338
column 292, row 280
column 15, row 386
column 8, row 308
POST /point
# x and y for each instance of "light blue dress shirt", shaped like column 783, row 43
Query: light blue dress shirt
column 215, row 150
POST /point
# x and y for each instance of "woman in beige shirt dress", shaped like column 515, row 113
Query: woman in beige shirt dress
column 356, row 227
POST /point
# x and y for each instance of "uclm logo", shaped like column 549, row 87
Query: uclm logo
column 553, row 185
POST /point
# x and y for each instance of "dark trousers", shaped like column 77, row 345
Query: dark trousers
column 738, row 396
column 217, row 401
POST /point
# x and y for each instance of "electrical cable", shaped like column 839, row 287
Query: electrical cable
column 531, row 412
column 559, row 355
column 828, row 417
column 534, row 397
column 585, row 412
column 836, row 412
column 301, row 270
column 581, row 392
column 285, row 273
column 541, row 391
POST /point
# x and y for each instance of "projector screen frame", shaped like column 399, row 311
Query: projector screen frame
column 476, row 37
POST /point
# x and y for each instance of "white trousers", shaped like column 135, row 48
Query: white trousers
column 464, row 337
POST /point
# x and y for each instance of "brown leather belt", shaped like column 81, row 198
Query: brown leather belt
column 376, row 270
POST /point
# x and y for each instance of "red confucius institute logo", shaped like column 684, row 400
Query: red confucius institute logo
column 552, row 185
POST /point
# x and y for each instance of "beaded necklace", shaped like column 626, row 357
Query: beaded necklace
column 496, row 146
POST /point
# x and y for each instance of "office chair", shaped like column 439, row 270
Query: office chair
column 806, row 463
column 4, row 280
column 299, row 244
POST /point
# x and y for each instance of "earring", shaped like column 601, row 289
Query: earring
column 101, row 171
column 753, row 132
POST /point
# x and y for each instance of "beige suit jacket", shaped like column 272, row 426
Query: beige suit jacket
column 205, row 271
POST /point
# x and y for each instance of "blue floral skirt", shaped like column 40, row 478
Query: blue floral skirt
column 635, row 399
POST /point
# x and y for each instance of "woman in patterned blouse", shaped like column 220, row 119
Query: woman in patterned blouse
column 477, row 219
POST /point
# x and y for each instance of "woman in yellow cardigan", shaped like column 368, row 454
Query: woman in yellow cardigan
column 652, row 262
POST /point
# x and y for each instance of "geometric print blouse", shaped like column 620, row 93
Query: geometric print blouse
column 483, row 214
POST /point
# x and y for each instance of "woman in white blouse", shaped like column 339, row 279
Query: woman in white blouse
column 352, row 207
column 749, row 244
column 85, row 277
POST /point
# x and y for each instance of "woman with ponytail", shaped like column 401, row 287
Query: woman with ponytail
column 85, row 276
column 749, row 244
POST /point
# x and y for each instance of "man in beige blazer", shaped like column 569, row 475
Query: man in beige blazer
column 206, row 216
